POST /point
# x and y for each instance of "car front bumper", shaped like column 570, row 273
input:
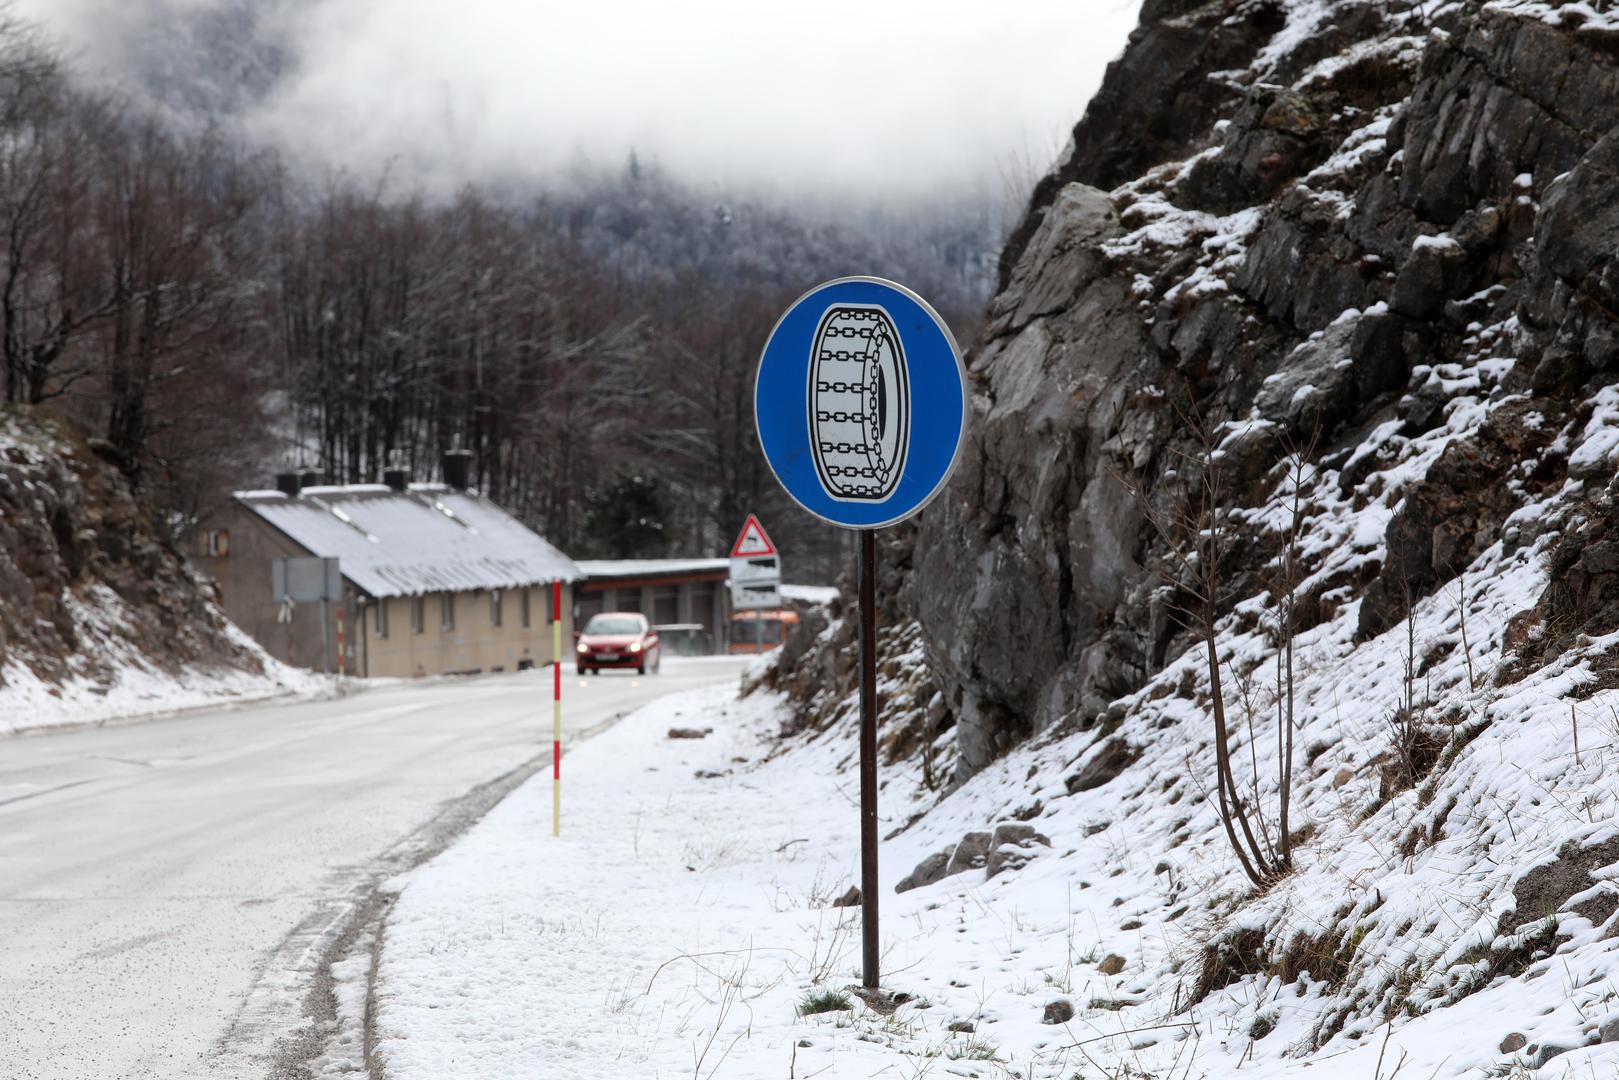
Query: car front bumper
column 620, row 660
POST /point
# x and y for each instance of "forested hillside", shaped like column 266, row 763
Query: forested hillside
column 217, row 314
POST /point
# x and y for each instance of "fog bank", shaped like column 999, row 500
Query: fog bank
column 836, row 98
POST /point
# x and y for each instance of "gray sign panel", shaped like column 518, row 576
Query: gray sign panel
column 305, row 581
column 750, row 595
column 760, row 568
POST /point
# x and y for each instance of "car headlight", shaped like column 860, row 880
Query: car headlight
column 583, row 647
column 635, row 646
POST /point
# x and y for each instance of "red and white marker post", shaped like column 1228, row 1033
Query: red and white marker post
column 556, row 709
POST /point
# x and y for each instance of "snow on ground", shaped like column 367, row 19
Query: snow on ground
column 670, row 928
column 680, row 922
column 28, row 702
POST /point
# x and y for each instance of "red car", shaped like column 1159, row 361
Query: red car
column 618, row 639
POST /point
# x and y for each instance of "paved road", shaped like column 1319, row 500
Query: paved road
column 167, row 888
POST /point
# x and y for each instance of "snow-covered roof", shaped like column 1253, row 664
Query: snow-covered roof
column 628, row 568
column 810, row 594
column 431, row 538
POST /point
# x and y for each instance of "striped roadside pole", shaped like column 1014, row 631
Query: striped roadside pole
column 342, row 654
column 556, row 709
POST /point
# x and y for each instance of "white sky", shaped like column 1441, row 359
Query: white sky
column 891, row 97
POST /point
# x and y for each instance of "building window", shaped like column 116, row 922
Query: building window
column 382, row 618
column 216, row 543
column 418, row 614
column 666, row 604
column 522, row 606
column 703, row 600
column 495, row 614
column 447, row 611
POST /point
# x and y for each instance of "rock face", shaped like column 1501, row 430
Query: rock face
column 972, row 853
column 1012, row 845
column 1102, row 766
column 1453, row 512
column 931, row 869
column 86, row 581
column 1008, row 847
column 1582, row 595
column 1296, row 252
column 1548, row 889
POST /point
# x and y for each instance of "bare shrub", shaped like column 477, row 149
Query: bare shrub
column 1195, row 531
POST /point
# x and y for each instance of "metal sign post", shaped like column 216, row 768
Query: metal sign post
column 861, row 404
column 870, row 953
column 325, row 636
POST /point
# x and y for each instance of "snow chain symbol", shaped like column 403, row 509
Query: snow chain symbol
column 859, row 403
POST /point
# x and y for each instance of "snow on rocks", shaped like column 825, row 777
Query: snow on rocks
column 1597, row 451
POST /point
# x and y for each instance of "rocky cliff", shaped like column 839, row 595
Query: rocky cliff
column 1326, row 293
column 1309, row 225
column 99, row 616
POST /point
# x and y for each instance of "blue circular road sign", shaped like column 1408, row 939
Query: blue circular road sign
column 861, row 402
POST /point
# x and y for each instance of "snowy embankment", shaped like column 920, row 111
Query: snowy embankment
column 139, row 689
column 100, row 616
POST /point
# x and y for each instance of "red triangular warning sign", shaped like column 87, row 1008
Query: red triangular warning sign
column 752, row 540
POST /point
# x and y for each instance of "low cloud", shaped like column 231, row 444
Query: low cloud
column 836, row 98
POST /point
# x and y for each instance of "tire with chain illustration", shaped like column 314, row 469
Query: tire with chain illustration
column 859, row 403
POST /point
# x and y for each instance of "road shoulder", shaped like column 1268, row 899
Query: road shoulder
column 678, row 893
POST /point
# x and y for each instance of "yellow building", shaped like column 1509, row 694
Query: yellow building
column 436, row 579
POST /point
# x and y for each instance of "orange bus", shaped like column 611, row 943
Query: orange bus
column 760, row 631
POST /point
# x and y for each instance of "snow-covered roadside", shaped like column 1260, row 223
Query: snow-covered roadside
column 672, row 927
column 29, row 703
column 683, row 917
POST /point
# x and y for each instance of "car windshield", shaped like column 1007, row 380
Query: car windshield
column 613, row 624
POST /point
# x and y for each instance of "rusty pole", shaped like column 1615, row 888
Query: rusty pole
column 868, row 757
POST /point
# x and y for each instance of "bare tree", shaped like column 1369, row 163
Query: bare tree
column 1298, row 471
column 1192, row 522
column 169, row 217
column 50, row 296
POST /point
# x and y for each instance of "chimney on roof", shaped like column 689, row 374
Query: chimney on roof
column 397, row 474
column 288, row 483
column 458, row 468
column 312, row 477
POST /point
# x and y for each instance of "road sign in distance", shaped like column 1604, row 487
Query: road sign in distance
column 754, row 595
column 756, row 568
column 861, row 402
column 752, row 540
